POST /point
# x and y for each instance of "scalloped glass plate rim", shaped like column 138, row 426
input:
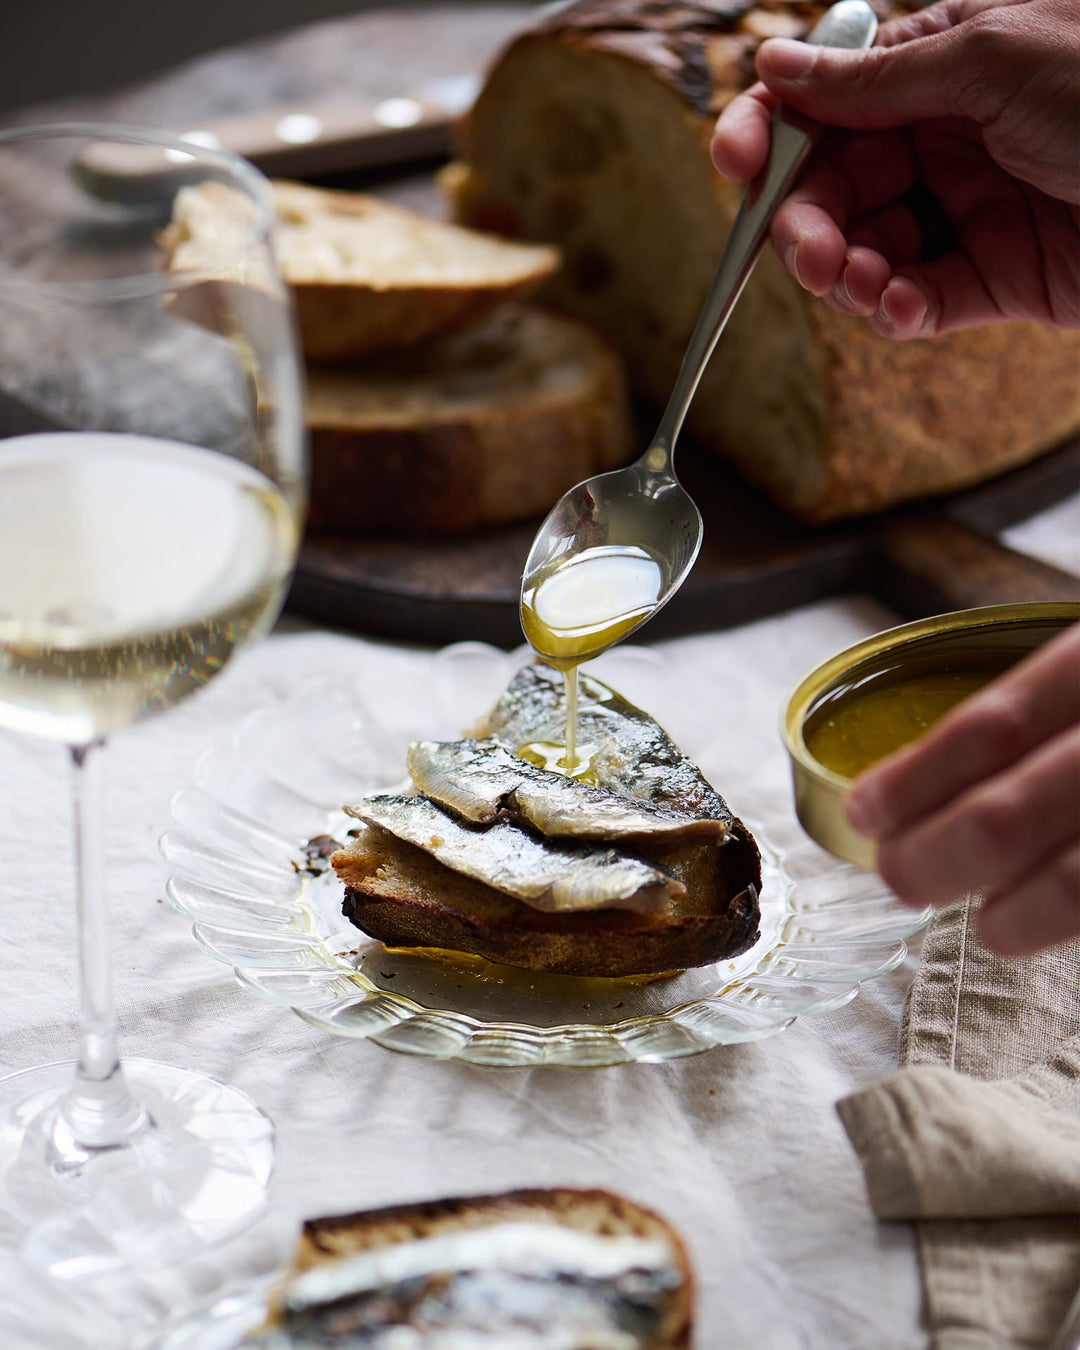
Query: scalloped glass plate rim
column 218, row 833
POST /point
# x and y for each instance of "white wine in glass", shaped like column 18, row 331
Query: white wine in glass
column 152, row 488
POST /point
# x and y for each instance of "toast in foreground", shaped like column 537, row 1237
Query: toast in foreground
column 642, row 869
column 368, row 276
column 482, row 427
column 573, row 1269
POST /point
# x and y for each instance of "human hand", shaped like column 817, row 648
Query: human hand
column 989, row 799
column 953, row 198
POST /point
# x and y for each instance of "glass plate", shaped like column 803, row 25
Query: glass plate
column 240, row 872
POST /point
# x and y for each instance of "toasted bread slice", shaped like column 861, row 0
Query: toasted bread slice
column 482, row 427
column 408, row 890
column 368, row 276
column 403, row 897
column 662, row 1303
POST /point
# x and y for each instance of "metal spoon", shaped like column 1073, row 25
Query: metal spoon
column 644, row 506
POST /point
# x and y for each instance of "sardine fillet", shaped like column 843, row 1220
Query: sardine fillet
column 483, row 779
column 546, row 875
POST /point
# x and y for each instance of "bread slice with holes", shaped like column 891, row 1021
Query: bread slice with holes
column 591, row 1265
column 368, row 276
column 482, row 427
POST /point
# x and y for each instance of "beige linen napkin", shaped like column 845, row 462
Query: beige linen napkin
column 977, row 1137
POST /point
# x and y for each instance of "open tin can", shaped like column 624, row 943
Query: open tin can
column 997, row 636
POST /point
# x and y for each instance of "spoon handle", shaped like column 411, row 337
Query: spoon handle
column 851, row 24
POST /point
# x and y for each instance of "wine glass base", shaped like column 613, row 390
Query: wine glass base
column 197, row 1175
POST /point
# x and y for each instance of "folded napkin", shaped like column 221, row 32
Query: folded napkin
column 977, row 1137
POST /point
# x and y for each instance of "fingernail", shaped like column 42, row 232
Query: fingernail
column 887, row 315
column 790, row 258
column 842, row 294
column 787, row 59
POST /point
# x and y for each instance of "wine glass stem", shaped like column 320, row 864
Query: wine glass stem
column 98, row 1110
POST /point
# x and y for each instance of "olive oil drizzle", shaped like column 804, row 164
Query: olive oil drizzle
column 570, row 682
column 576, row 608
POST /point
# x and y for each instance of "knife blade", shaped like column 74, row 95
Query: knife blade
column 296, row 140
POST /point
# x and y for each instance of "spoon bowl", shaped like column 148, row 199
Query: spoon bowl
column 643, row 508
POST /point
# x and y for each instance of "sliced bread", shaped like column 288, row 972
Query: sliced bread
column 593, row 1263
column 482, row 427
column 368, row 276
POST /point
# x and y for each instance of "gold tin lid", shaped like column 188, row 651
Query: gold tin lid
column 819, row 792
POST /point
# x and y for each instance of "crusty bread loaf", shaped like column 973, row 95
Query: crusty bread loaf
column 368, row 276
column 597, row 1213
column 481, row 427
column 592, row 132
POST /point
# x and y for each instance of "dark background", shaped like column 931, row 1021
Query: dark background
column 52, row 48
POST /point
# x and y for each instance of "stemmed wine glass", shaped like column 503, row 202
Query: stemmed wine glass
column 152, row 488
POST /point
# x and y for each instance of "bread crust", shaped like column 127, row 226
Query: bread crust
column 590, row 1210
column 370, row 276
column 337, row 325
column 964, row 407
column 367, row 276
column 466, row 433
column 401, row 896
column 610, row 104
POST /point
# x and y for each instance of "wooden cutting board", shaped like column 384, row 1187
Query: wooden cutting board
column 754, row 562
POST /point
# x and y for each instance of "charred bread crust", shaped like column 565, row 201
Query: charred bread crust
column 585, row 949
column 690, row 46
column 400, row 896
column 365, row 1230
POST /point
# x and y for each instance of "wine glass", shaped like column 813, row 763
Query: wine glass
column 152, row 489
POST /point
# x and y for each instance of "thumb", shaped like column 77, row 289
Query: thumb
column 880, row 87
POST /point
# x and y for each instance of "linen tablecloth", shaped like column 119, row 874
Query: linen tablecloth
column 740, row 1147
